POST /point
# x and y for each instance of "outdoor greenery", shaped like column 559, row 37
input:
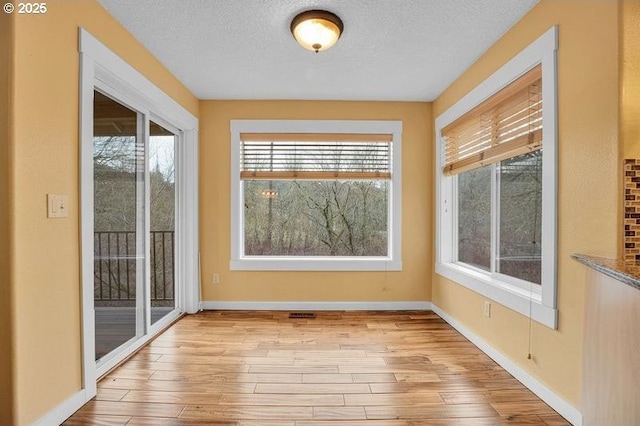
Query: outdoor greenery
column 118, row 169
column 519, row 208
column 315, row 218
column 474, row 217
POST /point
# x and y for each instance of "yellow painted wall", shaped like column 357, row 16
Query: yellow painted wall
column 588, row 184
column 411, row 284
column 46, row 252
column 630, row 79
column 6, row 63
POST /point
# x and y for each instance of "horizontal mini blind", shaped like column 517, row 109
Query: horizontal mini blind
column 270, row 156
column 505, row 125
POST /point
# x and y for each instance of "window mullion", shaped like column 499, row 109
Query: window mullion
column 455, row 220
column 143, row 226
column 495, row 216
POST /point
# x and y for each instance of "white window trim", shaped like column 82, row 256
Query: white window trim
column 101, row 68
column 393, row 262
column 538, row 302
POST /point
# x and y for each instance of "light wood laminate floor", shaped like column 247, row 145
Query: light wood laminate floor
column 341, row 368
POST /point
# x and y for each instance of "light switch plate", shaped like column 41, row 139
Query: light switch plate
column 57, row 205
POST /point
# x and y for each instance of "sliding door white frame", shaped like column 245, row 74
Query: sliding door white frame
column 103, row 70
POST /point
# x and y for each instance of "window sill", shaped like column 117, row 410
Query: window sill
column 290, row 263
column 513, row 297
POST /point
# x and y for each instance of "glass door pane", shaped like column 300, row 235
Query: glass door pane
column 119, row 255
column 162, row 149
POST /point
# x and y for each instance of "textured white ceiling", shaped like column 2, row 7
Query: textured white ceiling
column 405, row 50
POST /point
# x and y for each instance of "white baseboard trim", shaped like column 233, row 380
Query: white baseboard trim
column 566, row 410
column 63, row 411
column 317, row 306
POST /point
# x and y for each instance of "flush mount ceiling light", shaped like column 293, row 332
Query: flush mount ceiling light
column 316, row 29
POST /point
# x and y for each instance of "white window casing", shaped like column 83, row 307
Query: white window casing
column 391, row 262
column 539, row 302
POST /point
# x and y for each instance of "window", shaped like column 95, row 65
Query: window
column 315, row 195
column 496, row 182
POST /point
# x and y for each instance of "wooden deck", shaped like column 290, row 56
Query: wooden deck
column 117, row 325
column 341, row 368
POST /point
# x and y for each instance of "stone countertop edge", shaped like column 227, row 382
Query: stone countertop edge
column 625, row 272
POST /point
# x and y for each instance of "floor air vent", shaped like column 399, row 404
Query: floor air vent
column 302, row 315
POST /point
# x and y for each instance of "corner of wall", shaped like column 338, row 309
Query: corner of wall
column 45, row 118
column 629, row 97
column 589, row 170
column 6, row 138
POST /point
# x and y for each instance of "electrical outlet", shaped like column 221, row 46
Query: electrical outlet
column 487, row 309
column 216, row 278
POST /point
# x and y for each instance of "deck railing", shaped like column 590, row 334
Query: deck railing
column 116, row 266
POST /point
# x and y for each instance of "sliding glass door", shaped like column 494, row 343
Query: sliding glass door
column 119, row 225
column 162, row 184
column 134, row 203
column 139, row 210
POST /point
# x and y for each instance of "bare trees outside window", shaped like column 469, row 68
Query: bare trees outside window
column 518, row 183
column 474, row 217
column 315, row 218
column 520, row 245
column 315, row 195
